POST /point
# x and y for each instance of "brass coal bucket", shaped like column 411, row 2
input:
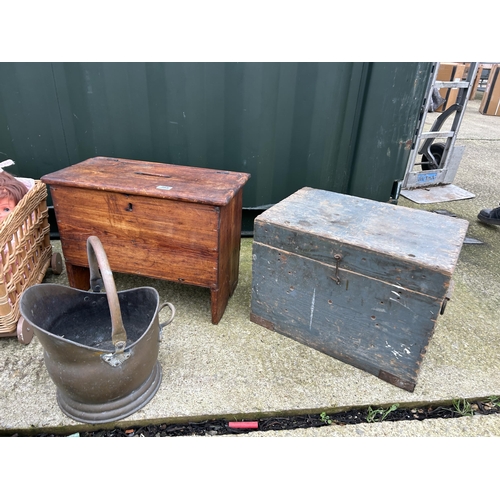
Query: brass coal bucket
column 100, row 349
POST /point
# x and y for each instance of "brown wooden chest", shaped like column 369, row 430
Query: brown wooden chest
column 164, row 221
column 359, row 280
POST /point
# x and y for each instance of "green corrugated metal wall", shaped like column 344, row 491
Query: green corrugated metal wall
column 343, row 127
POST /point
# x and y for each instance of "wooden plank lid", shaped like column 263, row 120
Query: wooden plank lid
column 157, row 180
column 421, row 239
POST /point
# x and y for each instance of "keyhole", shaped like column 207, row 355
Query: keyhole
column 129, row 208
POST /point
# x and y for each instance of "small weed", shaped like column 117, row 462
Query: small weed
column 325, row 418
column 494, row 401
column 372, row 414
column 463, row 407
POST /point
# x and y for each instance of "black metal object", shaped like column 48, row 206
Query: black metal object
column 432, row 153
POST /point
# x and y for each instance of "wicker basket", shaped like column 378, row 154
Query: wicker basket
column 25, row 255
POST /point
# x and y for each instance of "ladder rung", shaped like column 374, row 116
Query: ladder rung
column 452, row 85
column 438, row 134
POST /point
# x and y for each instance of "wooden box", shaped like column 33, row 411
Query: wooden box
column 449, row 72
column 359, row 280
column 490, row 103
column 164, row 221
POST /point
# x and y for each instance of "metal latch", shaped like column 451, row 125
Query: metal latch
column 337, row 258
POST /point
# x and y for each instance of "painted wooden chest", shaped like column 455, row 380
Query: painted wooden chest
column 359, row 280
column 164, row 221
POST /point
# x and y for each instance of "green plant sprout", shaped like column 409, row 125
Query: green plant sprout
column 325, row 418
column 463, row 407
column 494, row 401
column 372, row 414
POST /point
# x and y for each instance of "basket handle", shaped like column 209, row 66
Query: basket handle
column 98, row 260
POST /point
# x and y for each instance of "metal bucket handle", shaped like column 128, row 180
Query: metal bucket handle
column 172, row 316
column 98, row 260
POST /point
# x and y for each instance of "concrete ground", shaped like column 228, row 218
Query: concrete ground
column 240, row 370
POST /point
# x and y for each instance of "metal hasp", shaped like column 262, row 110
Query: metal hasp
column 439, row 160
column 337, row 258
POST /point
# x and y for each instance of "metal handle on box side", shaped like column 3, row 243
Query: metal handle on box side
column 164, row 324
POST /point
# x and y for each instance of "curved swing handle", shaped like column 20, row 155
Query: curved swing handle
column 99, row 261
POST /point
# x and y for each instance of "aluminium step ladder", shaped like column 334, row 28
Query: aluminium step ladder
column 439, row 160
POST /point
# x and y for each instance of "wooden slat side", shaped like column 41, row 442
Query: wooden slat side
column 157, row 238
column 375, row 326
column 387, row 267
column 229, row 255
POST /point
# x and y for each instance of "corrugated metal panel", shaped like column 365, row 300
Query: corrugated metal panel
column 31, row 131
column 394, row 93
column 343, row 127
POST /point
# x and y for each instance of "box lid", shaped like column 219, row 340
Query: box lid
column 158, row 180
column 411, row 248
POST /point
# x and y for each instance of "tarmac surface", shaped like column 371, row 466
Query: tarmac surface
column 239, row 370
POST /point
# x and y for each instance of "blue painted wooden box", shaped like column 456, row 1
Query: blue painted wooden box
column 360, row 280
